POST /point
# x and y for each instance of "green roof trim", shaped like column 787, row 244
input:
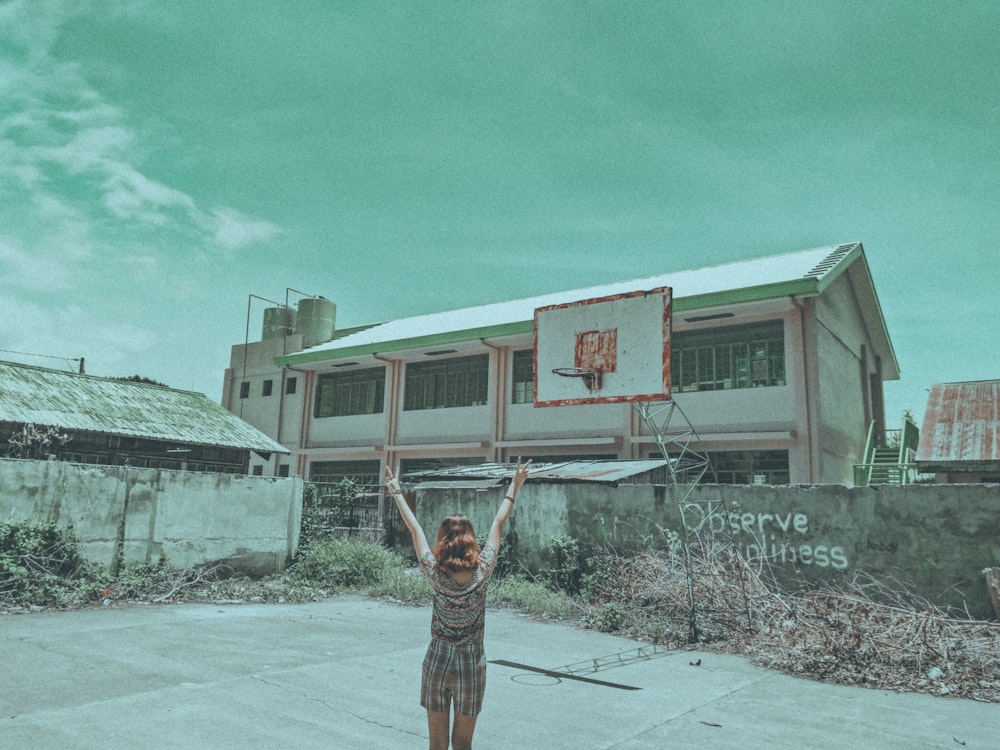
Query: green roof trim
column 805, row 274
column 749, row 294
column 680, row 304
column 451, row 337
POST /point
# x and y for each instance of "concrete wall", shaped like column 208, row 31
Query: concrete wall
column 934, row 539
column 189, row 518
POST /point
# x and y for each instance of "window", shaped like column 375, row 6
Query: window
column 258, row 470
column 283, row 470
column 244, row 389
column 333, row 472
column 342, row 394
column 522, row 389
column 724, row 358
column 744, row 467
column 290, row 385
column 748, row 467
column 267, row 388
column 462, row 381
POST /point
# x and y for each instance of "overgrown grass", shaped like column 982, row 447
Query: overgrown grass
column 348, row 565
column 345, row 564
column 404, row 584
column 533, row 598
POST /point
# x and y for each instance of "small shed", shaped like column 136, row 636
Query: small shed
column 52, row 414
column 960, row 437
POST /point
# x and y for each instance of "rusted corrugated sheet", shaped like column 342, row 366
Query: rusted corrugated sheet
column 607, row 471
column 122, row 407
column 961, row 425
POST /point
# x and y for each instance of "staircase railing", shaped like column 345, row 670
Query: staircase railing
column 899, row 471
column 863, row 471
column 909, row 439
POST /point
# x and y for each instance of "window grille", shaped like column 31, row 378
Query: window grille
column 523, row 375
column 749, row 356
column 343, row 394
column 461, row 381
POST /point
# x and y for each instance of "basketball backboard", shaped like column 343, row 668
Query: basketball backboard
column 603, row 350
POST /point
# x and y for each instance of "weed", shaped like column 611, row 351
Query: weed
column 531, row 597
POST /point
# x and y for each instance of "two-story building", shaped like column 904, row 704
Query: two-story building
column 778, row 363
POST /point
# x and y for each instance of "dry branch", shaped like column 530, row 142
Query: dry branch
column 866, row 632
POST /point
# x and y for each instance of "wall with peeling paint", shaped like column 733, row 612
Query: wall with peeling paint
column 934, row 540
column 124, row 514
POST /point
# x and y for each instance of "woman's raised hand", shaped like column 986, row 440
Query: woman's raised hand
column 391, row 483
column 520, row 475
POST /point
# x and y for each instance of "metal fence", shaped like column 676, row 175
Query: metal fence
column 344, row 510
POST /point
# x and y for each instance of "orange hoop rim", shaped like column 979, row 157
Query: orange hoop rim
column 576, row 372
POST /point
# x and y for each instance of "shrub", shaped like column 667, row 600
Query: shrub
column 36, row 442
column 610, row 617
column 565, row 571
column 346, row 563
column 40, row 564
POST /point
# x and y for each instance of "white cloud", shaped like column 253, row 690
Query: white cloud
column 132, row 196
column 63, row 143
column 26, row 271
column 233, row 230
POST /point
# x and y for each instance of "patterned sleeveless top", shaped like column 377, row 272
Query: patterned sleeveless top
column 459, row 610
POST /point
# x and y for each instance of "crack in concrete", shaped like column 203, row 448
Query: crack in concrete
column 689, row 711
column 338, row 709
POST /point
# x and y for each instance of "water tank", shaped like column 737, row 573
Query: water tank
column 316, row 321
column 278, row 322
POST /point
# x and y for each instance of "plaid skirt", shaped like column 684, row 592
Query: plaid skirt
column 451, row 671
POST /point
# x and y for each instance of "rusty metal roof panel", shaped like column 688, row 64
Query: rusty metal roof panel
column 961, row 425
column 608, row 471
column 122, row 407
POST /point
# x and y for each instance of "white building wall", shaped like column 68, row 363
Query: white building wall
column 458, row 425
column 357, row 430
column 818, row 416
column 840, row 335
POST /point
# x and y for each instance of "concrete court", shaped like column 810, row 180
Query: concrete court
column 344, row 673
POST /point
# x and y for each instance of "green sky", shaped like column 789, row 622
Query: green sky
column 162, row 160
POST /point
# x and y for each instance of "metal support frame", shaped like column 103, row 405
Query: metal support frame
column 686, row 467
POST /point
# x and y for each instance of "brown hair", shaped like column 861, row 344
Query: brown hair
column 456, row 547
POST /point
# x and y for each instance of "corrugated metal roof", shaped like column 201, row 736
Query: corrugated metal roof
column 122, row 407
column 759, row 278
column 605, row 471
column 961, row 426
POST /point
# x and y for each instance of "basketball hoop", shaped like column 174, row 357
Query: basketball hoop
column 618, row 345
column 590, row 376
